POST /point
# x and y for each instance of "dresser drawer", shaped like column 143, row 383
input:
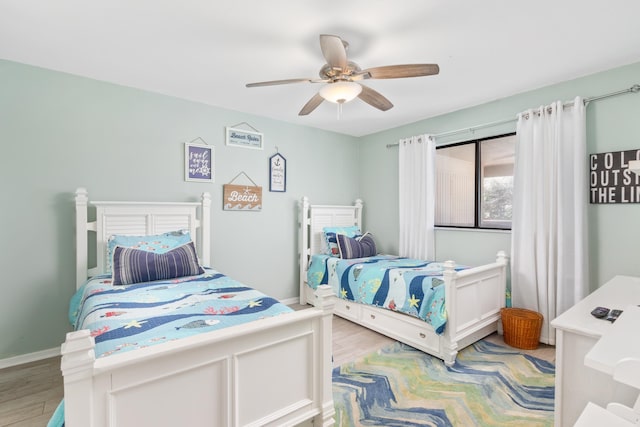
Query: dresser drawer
column 410, row 330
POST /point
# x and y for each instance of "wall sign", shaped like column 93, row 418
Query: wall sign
column 244, row 138
column 611, row 180
column 198, row 162
column 242, row 198
column 277, row 173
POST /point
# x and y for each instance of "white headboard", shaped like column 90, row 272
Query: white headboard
column 137, row 218
column 313, row 218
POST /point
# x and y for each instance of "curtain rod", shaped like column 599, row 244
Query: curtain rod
column 633, row 89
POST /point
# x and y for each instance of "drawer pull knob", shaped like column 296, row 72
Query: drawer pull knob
column 347, row 307
column 422, row 335
column 373, row 316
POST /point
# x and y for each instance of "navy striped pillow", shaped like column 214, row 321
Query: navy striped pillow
column 137, row 266
column 360, row 247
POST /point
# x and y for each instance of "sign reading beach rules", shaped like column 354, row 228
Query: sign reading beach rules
column 244, row 138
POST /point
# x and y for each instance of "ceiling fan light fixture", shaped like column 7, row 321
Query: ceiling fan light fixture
column 340, row 92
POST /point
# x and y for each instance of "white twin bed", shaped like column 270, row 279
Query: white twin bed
column 472, row 297
column 271, row 371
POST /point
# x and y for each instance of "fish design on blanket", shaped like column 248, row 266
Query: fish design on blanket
column 436, row 282
column 113, row 313
column 185, row 300
column 156, row 321
column 198, row 324
column 397, row 290
column 162, row 288
column 120, row 289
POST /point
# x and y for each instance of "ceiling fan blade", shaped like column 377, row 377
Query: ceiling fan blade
column 334, row 51
column 311, row 105
column 282, row 82
column 374, row 98
column 401, row 71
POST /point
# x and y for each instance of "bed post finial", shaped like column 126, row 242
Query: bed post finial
column 449, row 266
column 81, row 195
column 323, row 298
column 502, row 258
column 358, row 217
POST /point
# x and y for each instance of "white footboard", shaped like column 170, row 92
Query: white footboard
column 274, row 371
column 473, row 299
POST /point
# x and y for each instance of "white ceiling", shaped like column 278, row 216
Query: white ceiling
column 207, row 51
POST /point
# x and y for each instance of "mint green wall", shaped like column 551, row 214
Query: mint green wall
column 612, row 125
column 59, row 132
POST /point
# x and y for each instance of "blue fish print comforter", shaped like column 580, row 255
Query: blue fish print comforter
column 123, row 318
column 410, row 286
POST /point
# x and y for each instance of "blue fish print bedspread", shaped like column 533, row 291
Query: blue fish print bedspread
column 123, row 318
column 410, row 286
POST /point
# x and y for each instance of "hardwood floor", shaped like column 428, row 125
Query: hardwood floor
column 351, row 341
column 30, row 393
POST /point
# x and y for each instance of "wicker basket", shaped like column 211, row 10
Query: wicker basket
column 521, row 327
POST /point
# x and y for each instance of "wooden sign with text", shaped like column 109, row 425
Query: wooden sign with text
column 242, row 198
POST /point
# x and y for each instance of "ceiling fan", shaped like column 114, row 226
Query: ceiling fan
column 343, row 77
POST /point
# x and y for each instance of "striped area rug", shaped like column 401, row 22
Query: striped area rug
column 489, row 385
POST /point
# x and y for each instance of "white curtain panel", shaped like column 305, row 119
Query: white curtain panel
column 417, row 197
column 549, row 240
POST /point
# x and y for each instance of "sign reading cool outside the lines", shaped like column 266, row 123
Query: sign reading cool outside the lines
column 611, row 180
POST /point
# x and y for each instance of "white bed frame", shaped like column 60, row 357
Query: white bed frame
column 273, row 371
column 473, row 297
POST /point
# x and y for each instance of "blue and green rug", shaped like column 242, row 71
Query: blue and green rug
column 489, row 385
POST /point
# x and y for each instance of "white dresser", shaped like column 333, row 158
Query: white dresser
column 576, row 333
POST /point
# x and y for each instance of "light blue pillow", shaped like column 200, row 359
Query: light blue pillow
column 330, row 237
column 159, row 243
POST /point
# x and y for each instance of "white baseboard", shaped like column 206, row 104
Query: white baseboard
column 290, row 301
column 30, row 357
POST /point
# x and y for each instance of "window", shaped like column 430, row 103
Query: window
column 474, row 183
